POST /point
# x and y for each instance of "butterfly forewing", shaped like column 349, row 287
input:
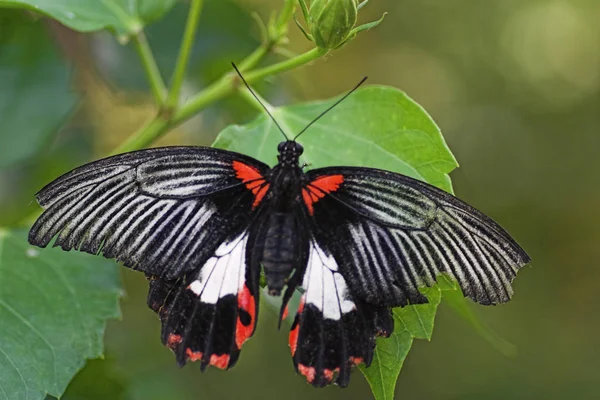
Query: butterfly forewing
column 392, row 234
column 163, row 211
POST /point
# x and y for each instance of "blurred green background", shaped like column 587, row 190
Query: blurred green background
column 514, row 86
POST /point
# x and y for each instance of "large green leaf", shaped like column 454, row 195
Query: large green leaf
column 53, row 307
column 124, row 17
column 36, row 97
column 376, row 126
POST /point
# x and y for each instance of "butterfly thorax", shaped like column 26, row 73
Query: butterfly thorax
column 281, row 229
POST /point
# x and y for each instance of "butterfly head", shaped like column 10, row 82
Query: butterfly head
column 289, row 153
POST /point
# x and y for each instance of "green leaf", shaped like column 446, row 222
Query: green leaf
column 377, row 126
column 124, row 17
column 31, row 72
column 411, row 322
column 53, row 307
column 222, row 37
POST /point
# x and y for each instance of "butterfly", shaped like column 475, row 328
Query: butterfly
column 201, row 223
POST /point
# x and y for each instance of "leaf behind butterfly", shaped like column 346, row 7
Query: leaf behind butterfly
column 377, row 126
column 31, row 71
column 53, row 307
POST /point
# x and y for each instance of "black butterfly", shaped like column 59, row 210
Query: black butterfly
column 200, row 222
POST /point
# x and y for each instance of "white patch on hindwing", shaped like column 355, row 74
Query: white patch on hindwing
column 223, row 273
column 324, row 286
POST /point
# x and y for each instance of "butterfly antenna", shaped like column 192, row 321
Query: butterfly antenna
column 330, row 107
column 259, row 102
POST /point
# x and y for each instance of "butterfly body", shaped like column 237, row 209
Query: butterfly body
column 201, row 223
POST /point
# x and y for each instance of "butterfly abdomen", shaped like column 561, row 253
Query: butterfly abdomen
column 279, row 249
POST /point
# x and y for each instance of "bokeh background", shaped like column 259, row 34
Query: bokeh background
column 515, row 87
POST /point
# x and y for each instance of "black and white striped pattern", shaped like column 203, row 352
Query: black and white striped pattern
column 154, row 210
column 399, row 234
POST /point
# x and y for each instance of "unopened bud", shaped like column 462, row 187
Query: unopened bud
column 331, row 21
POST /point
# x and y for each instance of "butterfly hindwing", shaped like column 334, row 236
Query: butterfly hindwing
column 208, row 315
column 332, row 330
column 392, row 234
column 163, row 211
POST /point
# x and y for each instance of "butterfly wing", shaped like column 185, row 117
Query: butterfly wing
column 333, row 330
column 208, row 315
column 391, row 234
column 163, row 211
column 182, row 215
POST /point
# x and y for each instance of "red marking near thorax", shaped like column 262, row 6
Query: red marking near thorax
column 318, row 188
column 247, row 303
column 253, row 179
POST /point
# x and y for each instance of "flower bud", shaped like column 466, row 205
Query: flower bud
column 331, row 21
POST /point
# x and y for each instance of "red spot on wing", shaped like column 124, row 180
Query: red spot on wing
column 221, row 361
column 285, row 313
column 328, row 373
column 193, row 355
column 308, row 201
column 247, row 303
column 259, row 194
column 245, row 172
column 356, row 360
column 293, row 338
column 173, row 340
column 253, row 179
column 328, row 183
column 308, row 372
column 318, row 188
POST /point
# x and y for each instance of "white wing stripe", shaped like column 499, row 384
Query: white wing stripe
column 324, row 287
column 222, row 274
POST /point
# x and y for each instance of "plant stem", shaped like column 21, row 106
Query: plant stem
column 184, row 52
column 285, row 16
column 228, row 84
column 157, row 84
column 286, row 65
column 216, row 91
column 253, row 101
column 143, row 137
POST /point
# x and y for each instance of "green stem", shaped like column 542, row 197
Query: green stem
column 285, row 16
column 157, row 84
column 255, row 57
column 254, row 102
column 286, row 65
column 184, row 52
column 217, row 91
column 143, row 137
column 228, row 84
